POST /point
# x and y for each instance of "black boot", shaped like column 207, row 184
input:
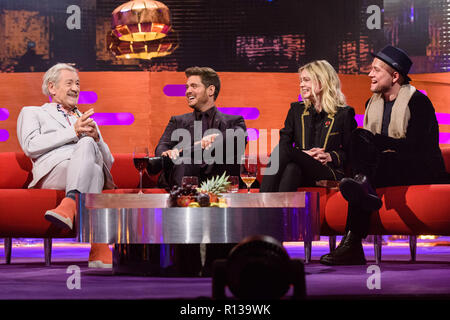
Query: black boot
column 358, row 191
column 349, row 252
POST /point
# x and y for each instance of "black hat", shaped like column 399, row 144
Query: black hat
column 396, row 58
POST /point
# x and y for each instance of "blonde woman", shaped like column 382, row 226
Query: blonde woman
column 315, row 139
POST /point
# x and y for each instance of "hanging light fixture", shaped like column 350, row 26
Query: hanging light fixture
column 141, row 20
column 142, row 49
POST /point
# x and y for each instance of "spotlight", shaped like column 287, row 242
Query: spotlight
column 258, row 268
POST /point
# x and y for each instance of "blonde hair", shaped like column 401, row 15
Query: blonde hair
column 331, row 96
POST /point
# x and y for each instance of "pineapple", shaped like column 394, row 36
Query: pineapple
column 213, row 187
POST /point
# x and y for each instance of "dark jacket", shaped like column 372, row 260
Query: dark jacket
column 221, row 122
column 335, row 133
column 419, row 151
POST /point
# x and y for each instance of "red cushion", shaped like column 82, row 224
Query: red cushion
column 22, row 213
column 126, row 176
column 15, row 168
column 123, row 171
column 421, row 209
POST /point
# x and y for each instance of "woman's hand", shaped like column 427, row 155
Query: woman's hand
column 319, row 154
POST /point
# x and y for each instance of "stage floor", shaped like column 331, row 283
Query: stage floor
column 28, row 278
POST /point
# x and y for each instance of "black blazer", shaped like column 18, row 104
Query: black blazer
column 221, row 122
column 335, row 133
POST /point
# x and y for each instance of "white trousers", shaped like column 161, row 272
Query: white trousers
column 82, row 172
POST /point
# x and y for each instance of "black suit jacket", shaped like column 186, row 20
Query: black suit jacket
column 335, row 137
column 221, row 122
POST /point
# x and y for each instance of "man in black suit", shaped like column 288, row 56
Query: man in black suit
column 205, row 142
column 399, row 145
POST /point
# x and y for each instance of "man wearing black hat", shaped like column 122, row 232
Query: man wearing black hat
column 399, row 145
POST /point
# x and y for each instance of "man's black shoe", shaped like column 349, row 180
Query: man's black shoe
column 349, row 252
column 358, row 190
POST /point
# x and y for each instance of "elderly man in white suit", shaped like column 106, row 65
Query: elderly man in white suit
column 67, row 150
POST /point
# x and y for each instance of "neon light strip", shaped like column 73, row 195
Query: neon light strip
column 4, row 135
column 85, row 97
column 443, row 118
column 175, row 90
column 113, row 118
column 444, row 138
column 253, row 134
column 249, row 113
column 359, row 120
column 4, row 114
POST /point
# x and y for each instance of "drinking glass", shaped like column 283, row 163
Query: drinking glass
column 140, row 160
column 234, row 184
column 249, row 168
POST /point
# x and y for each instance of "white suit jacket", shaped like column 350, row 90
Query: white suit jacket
column 47, row 138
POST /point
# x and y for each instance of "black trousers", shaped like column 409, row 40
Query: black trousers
column 382, row 169
column 296, row 169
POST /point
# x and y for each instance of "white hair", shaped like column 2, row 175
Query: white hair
column 52, row 75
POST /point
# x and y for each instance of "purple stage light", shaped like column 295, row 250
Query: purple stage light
column 113, row 118
column 443, row 118
column 175, row 90
column 85, row 97
column 4, row 135
column 444, row 137
column 248, row 113
column 253, row 134
column 359, row 119
column 424, row 92
column 4, row 114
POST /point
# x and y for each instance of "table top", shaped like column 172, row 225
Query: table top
column 233, row 200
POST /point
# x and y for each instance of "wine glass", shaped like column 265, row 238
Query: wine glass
column 234, row 184
column 140, row 160
column 249, row 168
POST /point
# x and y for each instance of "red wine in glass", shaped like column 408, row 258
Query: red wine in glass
column 140, row 163
column 140, row 160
